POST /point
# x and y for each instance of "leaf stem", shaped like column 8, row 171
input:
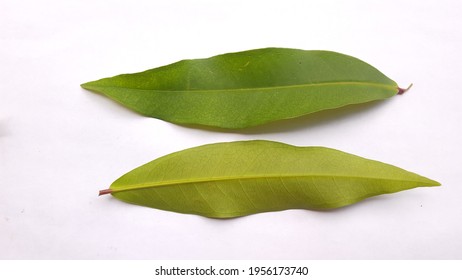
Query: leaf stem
column 403, row 90
column 103, row 192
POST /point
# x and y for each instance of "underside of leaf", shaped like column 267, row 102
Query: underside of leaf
column 234, row 179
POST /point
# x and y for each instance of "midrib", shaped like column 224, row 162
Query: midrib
column 202, row 180
column 377, row 85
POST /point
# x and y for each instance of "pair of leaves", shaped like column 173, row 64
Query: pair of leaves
column 244, row 89
column 234, row 179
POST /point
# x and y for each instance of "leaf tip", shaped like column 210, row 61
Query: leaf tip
column 432, row 183
column 403, row 90
column 437, row 184
column 92, row 86
column 103, row 192
column 85, row 85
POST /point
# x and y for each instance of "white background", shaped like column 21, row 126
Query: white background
column 60, row 144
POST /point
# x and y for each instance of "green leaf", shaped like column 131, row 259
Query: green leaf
column 234, row 179
column 238, row 90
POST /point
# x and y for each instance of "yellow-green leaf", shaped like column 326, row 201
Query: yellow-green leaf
column 234, row 179
column 243, row 89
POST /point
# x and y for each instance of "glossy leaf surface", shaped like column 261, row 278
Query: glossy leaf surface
column 244, row 89
column 234, row 179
